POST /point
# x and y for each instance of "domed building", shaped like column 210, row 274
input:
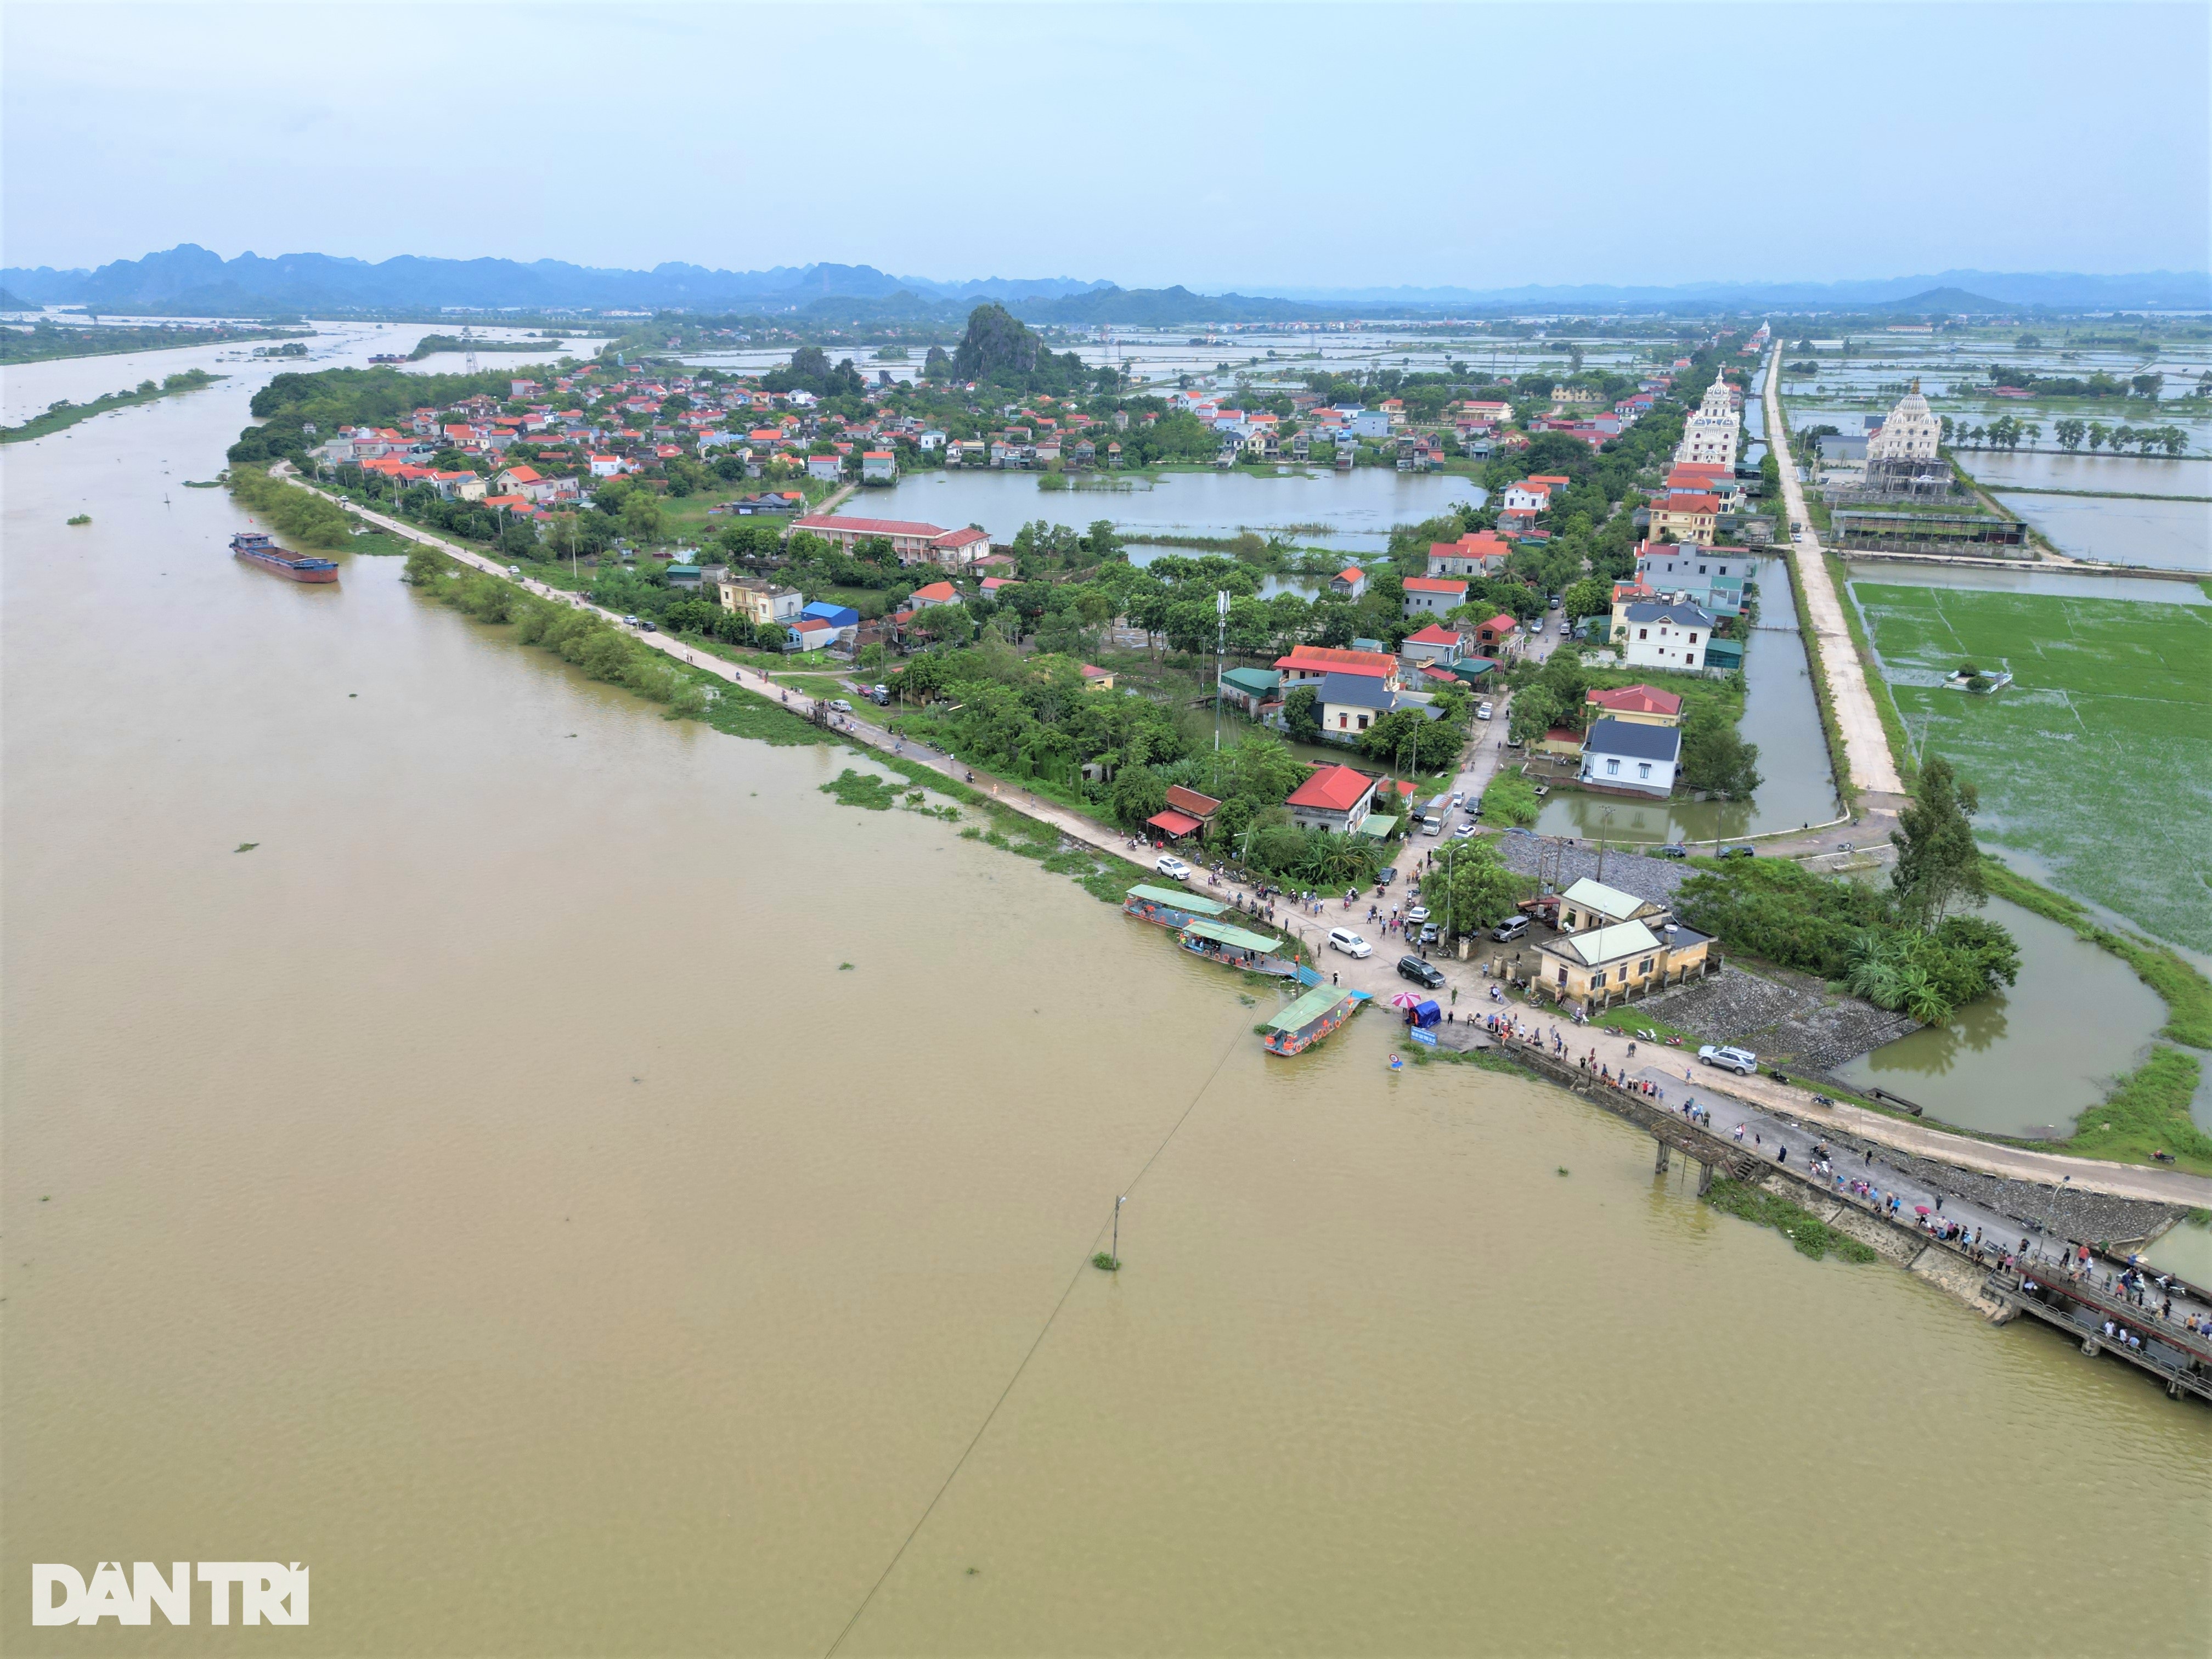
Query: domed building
column 1901, row 458
column 1710, row 435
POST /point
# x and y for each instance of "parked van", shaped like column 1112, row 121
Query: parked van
column 1431, row 825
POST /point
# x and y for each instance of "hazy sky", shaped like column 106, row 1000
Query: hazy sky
column 1231, row 146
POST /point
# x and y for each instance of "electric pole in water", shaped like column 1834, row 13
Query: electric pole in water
column 1116, row 1253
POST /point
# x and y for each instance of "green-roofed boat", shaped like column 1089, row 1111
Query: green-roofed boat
column 1222, row 941
column 1310, row 1019
column 1170, row 907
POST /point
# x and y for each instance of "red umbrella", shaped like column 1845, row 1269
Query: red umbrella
column 1405, row 999
column 1920, row 1209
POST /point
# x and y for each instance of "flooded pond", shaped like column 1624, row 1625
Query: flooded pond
column 2185, row 1249
column 1779, row 715
column 2064, row 584
column 1358, row 507
column 2174, row 535
column 2031, row 1059
column 2185, row 474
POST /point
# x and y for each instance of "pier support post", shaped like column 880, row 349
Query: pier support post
column 1662, row 1157
column 1705, row 1179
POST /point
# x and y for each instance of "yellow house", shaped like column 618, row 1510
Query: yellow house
column 1600, row 965
column 1690, row 518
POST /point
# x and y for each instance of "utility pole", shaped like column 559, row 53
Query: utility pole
column 1115, row 1252
column 1220, row 645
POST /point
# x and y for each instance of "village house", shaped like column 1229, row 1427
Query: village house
column 1588, row 904
column 935, row 593
column 1626, row 757
column 1335, row 799
column 1432, row 596
column 1597, row 966
column 1251, row 689
column 879, row 466
column 1497, row 634
column 828, row 467
column 1685, row 517
column 1308, row 664
column 1349, row 583
column 759, row 600
column 1526, row 496
column 1435, row 644
column 1643, row 705
column 1482, row 553
column 1665, row 633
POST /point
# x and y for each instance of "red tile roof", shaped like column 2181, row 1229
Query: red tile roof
column 1434, row 585
column 1175, row 824
column 941, row 592
column 1434, row 633
column 1334, row 659
column 1333, row 789
column 1190, row 800
column 1636, row 700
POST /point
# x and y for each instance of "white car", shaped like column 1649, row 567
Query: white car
column 1741, row 1061
column 1418, row 914
column 1344, row 939
column 1172, row 867
column 1464, row 830
column 1483, row 712
column 840, row 705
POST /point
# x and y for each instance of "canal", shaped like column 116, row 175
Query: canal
column 556, row 1173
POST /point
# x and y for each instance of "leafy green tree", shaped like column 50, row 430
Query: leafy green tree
column 1302, row 714
column 769, row 636
column 642, row 517
column 1138, row 792
column 1480, row 891
column 1715, row 757
column 1938, row 863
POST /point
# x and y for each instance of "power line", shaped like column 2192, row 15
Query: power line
column 1042, row 1332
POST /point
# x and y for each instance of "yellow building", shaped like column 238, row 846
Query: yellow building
column 1600, row 965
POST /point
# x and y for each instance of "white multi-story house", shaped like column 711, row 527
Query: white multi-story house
column 1668, row 634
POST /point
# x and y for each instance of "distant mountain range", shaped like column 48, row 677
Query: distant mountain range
column 190, row 280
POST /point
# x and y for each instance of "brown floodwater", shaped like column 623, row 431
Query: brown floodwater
column 495, row 1191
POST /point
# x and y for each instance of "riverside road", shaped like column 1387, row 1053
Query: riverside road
column 1378, row 973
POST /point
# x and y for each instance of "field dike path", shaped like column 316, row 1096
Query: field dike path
column 1865, row 746
column 1378, row 973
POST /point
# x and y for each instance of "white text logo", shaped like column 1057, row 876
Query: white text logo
column 270, row 1590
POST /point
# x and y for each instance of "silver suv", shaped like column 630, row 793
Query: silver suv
column 1741, row 1061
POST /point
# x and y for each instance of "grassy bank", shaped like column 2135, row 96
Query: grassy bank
column 1812, row 1235
column 64, row 414
column 2147, row 1112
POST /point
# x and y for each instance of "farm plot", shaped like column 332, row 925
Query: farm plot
column 2097, row 759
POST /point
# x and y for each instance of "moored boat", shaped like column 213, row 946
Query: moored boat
column 1170, row 907
column 255, row 548
column 1310, row 1019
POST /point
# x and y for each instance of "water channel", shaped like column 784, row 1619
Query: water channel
column 495, row 1191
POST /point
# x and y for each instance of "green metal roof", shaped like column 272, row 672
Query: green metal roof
column 1252, row 679
column 1222, row 932
column 1176, row 899
column 1308, row 1008
column 1376, row 825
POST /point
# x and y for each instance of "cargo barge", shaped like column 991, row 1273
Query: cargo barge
column 257, row 549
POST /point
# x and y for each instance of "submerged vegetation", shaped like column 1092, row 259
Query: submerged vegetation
column 62, row 414
column 1811, row 1236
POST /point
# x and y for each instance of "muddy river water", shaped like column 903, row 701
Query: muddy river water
column 495, row 1191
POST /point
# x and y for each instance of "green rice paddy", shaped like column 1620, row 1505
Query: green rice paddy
column 2097, row 760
